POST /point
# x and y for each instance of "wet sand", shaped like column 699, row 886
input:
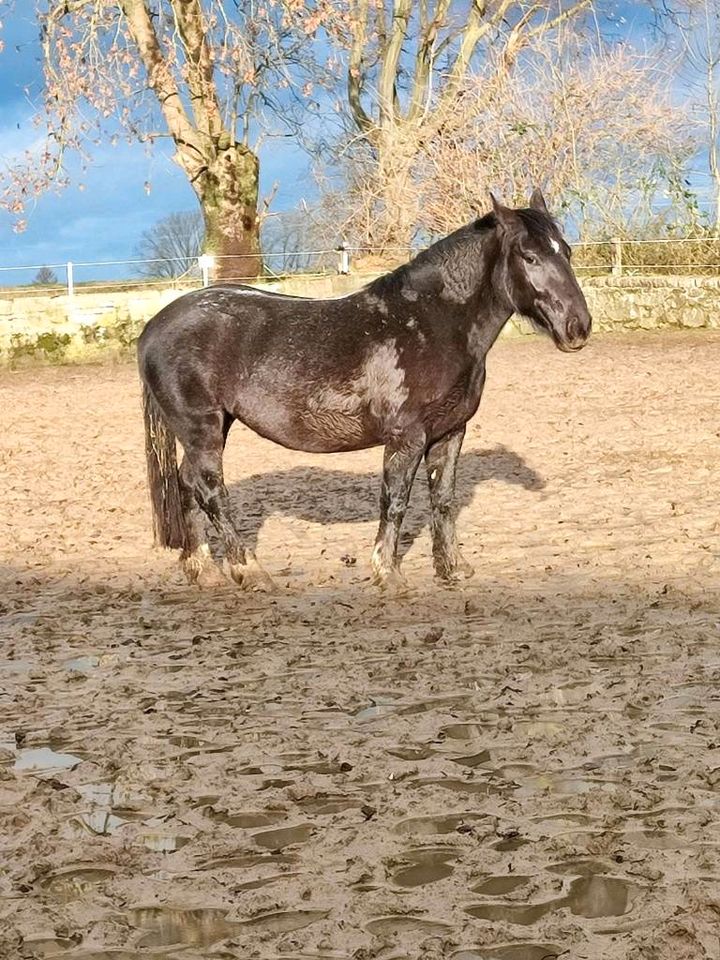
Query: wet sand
column 522, row 767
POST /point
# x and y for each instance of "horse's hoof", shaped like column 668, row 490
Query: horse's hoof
column 251, row 577
column 197, row 565
column 391, row 582
column 460, row 570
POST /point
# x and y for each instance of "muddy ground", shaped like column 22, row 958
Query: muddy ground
column 523, row 767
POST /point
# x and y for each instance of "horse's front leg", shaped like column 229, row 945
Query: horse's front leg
column 441, row 462
column 400, row 462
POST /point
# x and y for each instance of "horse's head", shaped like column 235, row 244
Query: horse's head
column 537, row 275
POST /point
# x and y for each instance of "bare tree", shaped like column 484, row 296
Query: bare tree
column 598, row 129
column 171, row 247
column 408, row 61
column 697, row 24
column 45, row 277
column 198, row 72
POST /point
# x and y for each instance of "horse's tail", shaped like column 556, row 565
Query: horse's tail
column 163, row 478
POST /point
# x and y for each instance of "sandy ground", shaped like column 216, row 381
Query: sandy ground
column 524, row 767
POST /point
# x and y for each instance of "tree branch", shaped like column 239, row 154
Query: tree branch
column 355, row 68
column 160, row 78
column 390, row 58
column 424, row 59
column 204, row 103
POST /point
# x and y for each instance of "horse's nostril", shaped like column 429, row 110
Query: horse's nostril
column 575, row 328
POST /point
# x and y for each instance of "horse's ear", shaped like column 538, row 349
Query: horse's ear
column 504, row 215
column 537, row 201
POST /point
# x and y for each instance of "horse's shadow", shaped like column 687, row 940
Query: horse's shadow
column 329, row 496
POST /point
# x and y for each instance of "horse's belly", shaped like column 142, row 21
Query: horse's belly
column 316, row 424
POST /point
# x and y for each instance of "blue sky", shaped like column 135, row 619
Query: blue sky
column 104, row 219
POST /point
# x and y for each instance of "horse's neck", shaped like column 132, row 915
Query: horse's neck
column 468, row 281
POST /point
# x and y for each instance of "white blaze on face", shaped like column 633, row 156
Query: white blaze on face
column 555, row 245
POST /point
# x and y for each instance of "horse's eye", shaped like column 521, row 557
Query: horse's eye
column 530, row 258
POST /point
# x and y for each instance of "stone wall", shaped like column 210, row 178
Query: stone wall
column 653, row 303
column 92, row 326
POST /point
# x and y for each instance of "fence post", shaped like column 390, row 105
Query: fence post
column 70, row 280
column 344, row 259
column 206, row 262
column 617, row 265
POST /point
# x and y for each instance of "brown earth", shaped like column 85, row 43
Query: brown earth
column 522, row 767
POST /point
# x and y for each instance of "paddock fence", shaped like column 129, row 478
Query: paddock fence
column 689, row 256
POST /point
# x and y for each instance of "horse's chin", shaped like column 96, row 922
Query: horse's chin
column 542, row 325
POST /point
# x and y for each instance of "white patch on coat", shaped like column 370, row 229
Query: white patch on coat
column 382, row 381
column 378, row 303
column 555, row 245
column 411, row 324
column 327, row 400
column 409, row 294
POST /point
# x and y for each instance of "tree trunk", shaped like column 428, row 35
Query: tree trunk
column 397, row 189
column 228, row 191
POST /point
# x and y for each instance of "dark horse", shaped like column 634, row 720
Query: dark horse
column 399, row 363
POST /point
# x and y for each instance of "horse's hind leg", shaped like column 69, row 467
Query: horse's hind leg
column 195, row 558
column 441, row 462
column 401, row 460
column 203, row 474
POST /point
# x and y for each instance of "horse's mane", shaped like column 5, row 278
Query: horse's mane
column 472, row 235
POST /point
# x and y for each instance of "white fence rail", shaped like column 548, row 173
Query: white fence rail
column 616, row 256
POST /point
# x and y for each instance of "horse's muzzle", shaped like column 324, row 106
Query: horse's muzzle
column 577, row 331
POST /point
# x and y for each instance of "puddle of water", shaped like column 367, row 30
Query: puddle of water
column 164, row 843
column 425, row 706
column 187, row 742
column 244, row 861
column 511, row 951
column 16, row 668
column 511, row 843
column 391, row 926
column 570, row 786
column 327, row 805
column 473, row 760
column 284, row 922
column 105, row 816
column 500, row 885
column 264, row 881
column 462, row 731
column 165, row 927
column 537, row 729
column 71, row 883
column 515, row 771
column 428, row 866
column 590, row 897
column 375, row 711
column 379, row 707
column 519, row 913
column 248, row 819
column 411, row 753
column 41, row 760
column 578, row 868
column 600, row 897
column 48, row 946
column 284, row 836
column 655, row 839
column 103, row 822
column 202, row 928
column 481, row 787
column 82, row 665
column 111, row 954
column 430, row 826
